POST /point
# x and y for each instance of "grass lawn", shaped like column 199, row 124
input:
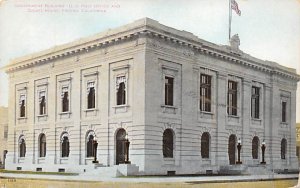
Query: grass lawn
column 33, row 172
column 29, row 183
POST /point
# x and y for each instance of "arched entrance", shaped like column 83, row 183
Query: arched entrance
column 120, row 146
column 231, row 149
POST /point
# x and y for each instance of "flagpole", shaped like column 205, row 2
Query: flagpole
column 230, row 16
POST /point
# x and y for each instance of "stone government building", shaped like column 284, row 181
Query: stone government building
column 183, row 104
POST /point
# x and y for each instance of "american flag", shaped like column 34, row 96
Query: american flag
column 235, row 7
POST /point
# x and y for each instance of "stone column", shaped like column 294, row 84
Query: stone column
column 268, row 123
column 246, row 155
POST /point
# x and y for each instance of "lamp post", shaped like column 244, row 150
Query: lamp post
column 263, row 148
column 127, row 143
column 239, row 147
column 95, row 145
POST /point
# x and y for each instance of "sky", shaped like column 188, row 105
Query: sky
column 268, row 30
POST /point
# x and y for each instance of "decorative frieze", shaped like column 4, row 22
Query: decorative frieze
column 145, row 30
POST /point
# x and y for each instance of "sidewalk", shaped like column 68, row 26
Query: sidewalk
column 165, row 179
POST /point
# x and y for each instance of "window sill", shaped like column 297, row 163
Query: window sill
column 284, row 123
column 42, row 115
column 233, row 116
column 233, row 119
column 168, row 106
column 90, row 109
column 206, row 116
column 169, row 109
column 20, row 118
column 206, row 112
column 62, row 113
column 169, row 158
column 257, row 122
column 256, row 119
column 121, row 106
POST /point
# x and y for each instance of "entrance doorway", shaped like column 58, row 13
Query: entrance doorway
column 231, row 149
column 120, row 146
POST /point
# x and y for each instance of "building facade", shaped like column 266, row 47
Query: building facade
column 182, row 103
column 3, row 135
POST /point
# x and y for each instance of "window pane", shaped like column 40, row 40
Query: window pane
column 89, row 152
column 255, row 102
column 121, row 94
column 42, row 105
column 65, row 147
column 168, row 144
column 42, row 143
column 205, row 145
column 65, row 102
column 91, row 98
column 205, row 93
column 22, row 148
column 283, row 116
column 255, row 148
column 22, row 109
column 283, row 148
column 169, row 86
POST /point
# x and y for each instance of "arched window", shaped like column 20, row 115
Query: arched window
column 205, row 145
column 22, row 147
column 91, row 98
column 283, row 148
column 121, row 146
column 90, row 145
column 168, row 143
column 232, row 149
column 42, row 145
column 65, row 146
column 255, row 144
column 121, row 94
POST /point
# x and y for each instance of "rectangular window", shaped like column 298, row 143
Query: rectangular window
column 297, row 151
column 169, row 89
column 42, row 103
column 121, row 90
column 283, row 112
column 91, row 101
column 232, row 98
column 205, row 93
column 65, row 99
column 255, row 102
column 22, row 106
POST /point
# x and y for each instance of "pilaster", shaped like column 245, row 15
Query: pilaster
column 221, row 136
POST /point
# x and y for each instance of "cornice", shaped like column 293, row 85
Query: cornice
column 148, row 29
